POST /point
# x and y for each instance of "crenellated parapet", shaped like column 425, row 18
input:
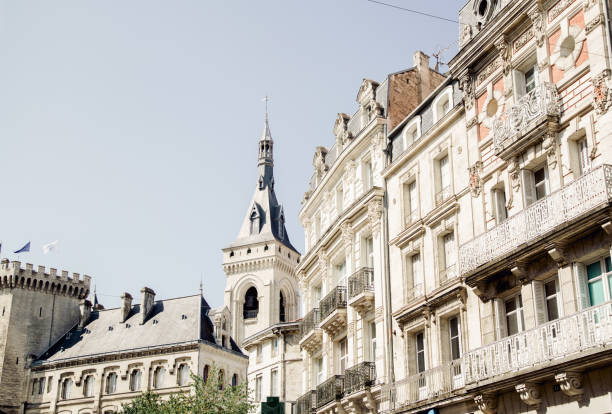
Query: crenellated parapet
column 13, row 276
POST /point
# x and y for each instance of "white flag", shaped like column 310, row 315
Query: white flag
column 50, row 247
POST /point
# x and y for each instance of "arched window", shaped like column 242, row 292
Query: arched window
column 66, row 389
column 159, row 377
column 183, row 375
column 135, row 379
column 234, row 380
column 281, row 315
column 111, row 383
column 251, row 304
column 205, row 373
column 88, row 386
column 221, row 378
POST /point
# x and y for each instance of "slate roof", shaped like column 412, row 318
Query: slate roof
column 105, row 333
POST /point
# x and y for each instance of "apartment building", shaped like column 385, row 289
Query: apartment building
column 344, row 333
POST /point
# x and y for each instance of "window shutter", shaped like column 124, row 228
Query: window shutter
column 500, row 319
column 539, row 297
column 582, row 294
column 528, row 184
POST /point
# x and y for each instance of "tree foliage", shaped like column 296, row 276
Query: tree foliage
column 204, row 397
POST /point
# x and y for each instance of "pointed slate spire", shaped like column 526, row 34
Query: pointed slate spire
column 265, row 219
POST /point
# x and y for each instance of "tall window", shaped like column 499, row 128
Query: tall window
column 449, row 255
column 368, row 176
column 234, row 380
column 499, row 204
column 221, row 379
column 599, row 281
column 417, row 288
column 342, row 355
column 455, row 338
column 515, row 321
column 444, row 179
column 369, row 251
column 41, row 386
column 541, row 183
column 251, row 304
column 281, row 314
column 372, row 326
column 584, row 162
column 274, row 383
column 535, row 184
column 135, row 380
column 259, row 351
column 88, row 386
column 111, row 383
column 258, row 381
column 420, row 351
column 316, row 296
column 159, row 377
column 341, row 273
column 319, row 372
column 205, row 373
column 183, row 375
column 274, row 347
column 411, row 202
column 34, row 386
column 525, row 79
column 66, row 389
column 530, row 79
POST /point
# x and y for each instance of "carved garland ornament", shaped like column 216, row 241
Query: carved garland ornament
column 347, row 234
column 374, row 214
column 537, row 18
column 468, row 91
column 504, row 53
column 475, row 180
column 602, row 93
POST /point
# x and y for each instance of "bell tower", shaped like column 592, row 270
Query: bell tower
column 261, row 286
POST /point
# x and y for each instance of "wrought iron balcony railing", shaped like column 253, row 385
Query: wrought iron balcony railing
column 583, row 195
column 361, row 281
column 442, row 195
column 359, row 377
column 309, row 322
column 334, row 300
column 540, row 103
column 415, row 291
column 588, row 329
column 307, row 403
column 427, row 385
column 330, row 390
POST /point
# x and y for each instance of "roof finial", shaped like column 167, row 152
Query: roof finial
column 201, row 284
column 266, row 99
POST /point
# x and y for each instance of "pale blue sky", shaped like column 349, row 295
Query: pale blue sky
column 129, row 129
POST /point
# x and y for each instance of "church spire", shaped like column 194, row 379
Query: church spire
column 266, row 155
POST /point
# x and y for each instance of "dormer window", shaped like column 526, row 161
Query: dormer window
column 443, row 103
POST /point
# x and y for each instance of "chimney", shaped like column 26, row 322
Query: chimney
column 126, row 306
column 421, row 63
column 146, row 305
column 85, row 308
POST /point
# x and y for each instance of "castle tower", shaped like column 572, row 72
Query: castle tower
column 37, row 307
column 261, row 288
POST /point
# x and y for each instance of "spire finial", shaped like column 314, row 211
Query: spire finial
column 266, row 99
column 201, row 284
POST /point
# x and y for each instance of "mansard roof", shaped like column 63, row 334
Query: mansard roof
column 171, row 321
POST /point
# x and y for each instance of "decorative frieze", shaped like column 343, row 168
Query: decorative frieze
column 597, row 20
column 489, row 70
column 523, row 39
column 556, row 10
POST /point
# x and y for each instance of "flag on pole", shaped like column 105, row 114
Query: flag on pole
column 24, row 249
column 50, row 247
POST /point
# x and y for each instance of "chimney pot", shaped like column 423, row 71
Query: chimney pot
column 126, row 306
column 85, row 308
column 421, row 61
column 146, row 305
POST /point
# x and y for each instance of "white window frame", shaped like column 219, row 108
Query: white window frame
column 274, row 382
column 498, row 199
column 258, row 387
column 411, row 205
column 445, row 94
column 407, row 133
column 519, row 76
column 458, row 337
column 372, row 339
column 343, row 358
column 423, row 351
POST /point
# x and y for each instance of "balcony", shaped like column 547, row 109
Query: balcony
column 330, row 390
column 427, row 386
column 361, row 290
column 416, row 291
column 310, row 334
column 307, row 403
column 359, row 377
column 578, row 335
column 579, row 200
column 443, row 195
column 333, row 311
column 525, row 121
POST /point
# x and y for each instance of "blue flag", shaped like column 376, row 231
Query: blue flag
column 24, row 249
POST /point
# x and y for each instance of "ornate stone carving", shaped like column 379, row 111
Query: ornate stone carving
column 319, row 162
column 347, row 234
column 467, row 86
column 374, row 109
column 374, row 214
column 472, row 122
column 466, row 34
column 488, row 70
column 530, row 394
column 558, row 8
column 487, row 403
column 602, row 93
column 322, row 260
column 590, row 26
column 513, row 173
column 475, row 180
column 504, row 53
column 588, row 4
column 523, row 39
column 537, row 18
column 571, row 383
column 549, row 145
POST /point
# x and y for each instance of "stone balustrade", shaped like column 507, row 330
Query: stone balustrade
column 582, row 196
